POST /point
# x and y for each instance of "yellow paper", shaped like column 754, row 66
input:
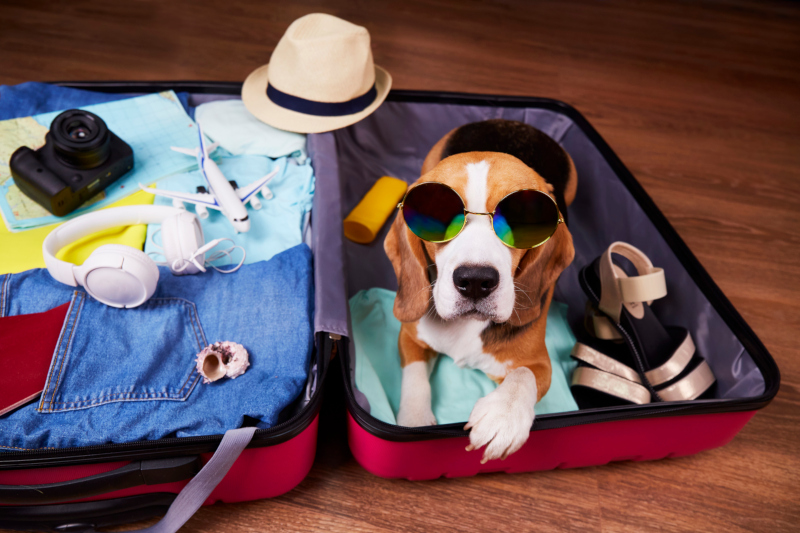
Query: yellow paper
column 23, row 250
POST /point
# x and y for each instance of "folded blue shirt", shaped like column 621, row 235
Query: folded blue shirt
column 122, row 375
column 229, row 123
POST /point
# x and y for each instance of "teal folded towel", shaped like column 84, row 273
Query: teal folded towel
column 454, row 390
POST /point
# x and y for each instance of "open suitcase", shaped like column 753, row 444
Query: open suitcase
column 610, row 206
column 104, row 485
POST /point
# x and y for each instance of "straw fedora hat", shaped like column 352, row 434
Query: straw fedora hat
column 320, row 77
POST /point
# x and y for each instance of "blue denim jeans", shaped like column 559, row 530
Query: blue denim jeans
column 121, row 375
column 33, row 98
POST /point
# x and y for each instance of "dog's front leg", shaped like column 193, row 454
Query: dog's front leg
column 415, row 392
column 415, row 397
column 502, row 419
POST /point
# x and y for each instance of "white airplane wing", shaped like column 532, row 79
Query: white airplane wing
column 188, row 151
column 195, row 152
column 247, row 192
column 201, row 198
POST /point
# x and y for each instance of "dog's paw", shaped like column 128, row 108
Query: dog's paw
column 502, row 422
column 412, row 416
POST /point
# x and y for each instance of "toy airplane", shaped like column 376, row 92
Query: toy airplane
column 222, row 195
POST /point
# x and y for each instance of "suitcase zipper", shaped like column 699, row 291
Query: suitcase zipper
column 397, row 433
column 157, row 448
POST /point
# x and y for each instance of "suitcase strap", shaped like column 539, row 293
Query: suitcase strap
column 200, row 487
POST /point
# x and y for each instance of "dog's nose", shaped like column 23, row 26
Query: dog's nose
column 476, row 282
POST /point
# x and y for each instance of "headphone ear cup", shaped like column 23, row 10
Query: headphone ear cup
column 118, row 275
column 181, row 236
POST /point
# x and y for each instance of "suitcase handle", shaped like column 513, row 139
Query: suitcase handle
column 185, row 504
column 84, row 517
column 148, row 472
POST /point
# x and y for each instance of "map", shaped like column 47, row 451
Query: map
column 149, row 124
column 15, row 133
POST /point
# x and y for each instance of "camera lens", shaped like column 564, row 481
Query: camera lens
column 78, row 130
column 81, row 139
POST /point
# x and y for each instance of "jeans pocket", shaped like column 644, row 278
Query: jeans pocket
column 106, row 355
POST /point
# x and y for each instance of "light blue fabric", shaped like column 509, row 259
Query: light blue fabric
column 454, row 390
column 122, row 375
column 277, row 226
column 229, row 123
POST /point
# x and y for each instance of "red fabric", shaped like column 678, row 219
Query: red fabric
column 27, row 343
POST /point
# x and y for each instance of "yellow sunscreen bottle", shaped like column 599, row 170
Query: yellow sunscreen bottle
column 365, row 221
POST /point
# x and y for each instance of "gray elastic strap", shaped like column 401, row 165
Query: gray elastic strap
column 200, row 487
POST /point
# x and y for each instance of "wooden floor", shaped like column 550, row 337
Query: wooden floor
column 701, row 100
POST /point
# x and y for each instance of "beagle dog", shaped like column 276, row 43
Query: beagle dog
column 500, row 328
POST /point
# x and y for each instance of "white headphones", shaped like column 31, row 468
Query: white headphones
column 119, row 275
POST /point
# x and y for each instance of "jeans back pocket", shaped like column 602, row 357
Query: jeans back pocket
column 106, row 355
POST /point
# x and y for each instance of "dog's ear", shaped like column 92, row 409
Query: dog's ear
column 410, row 266
column 537, row 273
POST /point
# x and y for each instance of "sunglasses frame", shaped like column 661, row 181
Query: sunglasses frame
column 490, row 215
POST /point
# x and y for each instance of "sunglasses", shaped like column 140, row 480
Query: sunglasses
column 524, row 219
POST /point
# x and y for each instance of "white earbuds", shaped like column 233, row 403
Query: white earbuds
column 119, row 275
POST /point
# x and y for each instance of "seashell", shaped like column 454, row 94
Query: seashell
column 237, row 358
column 222, row 359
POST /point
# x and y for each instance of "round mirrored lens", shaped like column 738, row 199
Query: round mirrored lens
column 525, row 219
column 433, row 212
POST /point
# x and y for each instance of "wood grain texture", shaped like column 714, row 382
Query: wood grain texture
column 701, row 100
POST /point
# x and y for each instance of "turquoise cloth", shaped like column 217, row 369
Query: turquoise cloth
column 229, row 123
column 454, row 390
column 276, row 227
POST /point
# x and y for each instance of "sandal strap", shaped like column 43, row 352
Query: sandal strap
column 597, row 359
column 644, row 287
column 690, row 387
column 618, row 289
column 679, row 359
column 674, row 365
column 610, row 384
